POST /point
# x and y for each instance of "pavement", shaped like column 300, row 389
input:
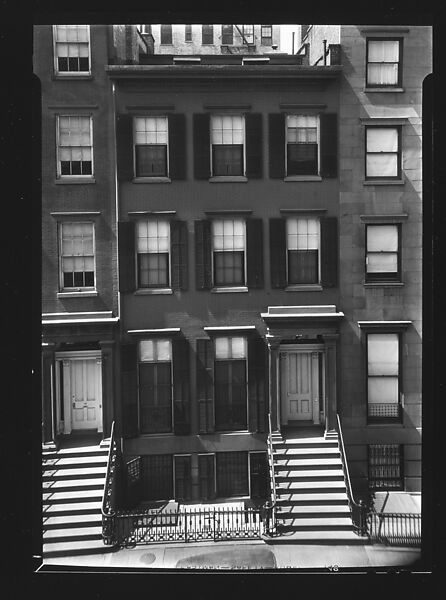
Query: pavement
column 243, row 555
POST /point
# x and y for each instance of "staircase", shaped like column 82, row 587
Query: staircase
column 73, row 479
column 312, row 501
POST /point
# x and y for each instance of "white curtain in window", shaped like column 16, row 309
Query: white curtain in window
column 383, row 353
column 383, row 390
column 382, row 139
column 151, row 130
column 230, row 347
column 303, row 234
column 152, row 236
column 155, row 350
column 383, row 62
column 227, row 129
column 229, row 235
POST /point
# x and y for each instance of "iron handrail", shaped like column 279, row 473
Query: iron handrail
column 108, row 499
column 357, row 509
column 272, row 479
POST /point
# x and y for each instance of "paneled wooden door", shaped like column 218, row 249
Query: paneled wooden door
column 299, row 380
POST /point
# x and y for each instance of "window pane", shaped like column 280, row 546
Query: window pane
column 164, row 349
column 382, row 262
column 382, row 390
column 206, row 473
column 382, row 139
column 166, row 34
column 183, row 483
column 157, row 477
column 303, row 266
column 227, row 160
column 382, row 165
column 383, row 353
column 383, row 50
column 302, row 159
column 238, row 345
column 229, row 268
column 232, row 473
column 151, row 161
column 222, row 347
column 382, row 74
column 382, row 238
column 146, row 350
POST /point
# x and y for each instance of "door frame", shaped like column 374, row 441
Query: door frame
column 319, row 374
column 64, row 427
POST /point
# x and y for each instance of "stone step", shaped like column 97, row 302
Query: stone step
column 298, row 487
column 316, row 499
column 73, row 508
column 306, row 451
column 309, row 463
column 72, row 534
column 76, row 496
column 323, row 511
column 318, row 537
column 78, row 451
column 73, row 484
column 75, row 548
column 291, row 475
column 73, row 521
column 317, row 442
column 75, row 462
column 315, row 523
column 86, row 472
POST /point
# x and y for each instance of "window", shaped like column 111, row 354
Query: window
column 383, row 253
column 145, row 29
column 302, row 145
column 383, row 152
column 188, row 33
column 207, row 34
column 266, row 33
column 248, row 34
column 206, row 475
column 166, row 34
column 384, row 63
column 383, row 376
column 155, row 386
column 229, row 243
column 157, row 477
column 227, row 140
column 303, row 243
column 153, row 253
column 258, row 475
column 385, row 467
column 230, row 383
column 227, row 35
column 232, row 474
column 150, row 137
column 74, row 146
column 72, row 49
column 183, row 481
column 76, row 256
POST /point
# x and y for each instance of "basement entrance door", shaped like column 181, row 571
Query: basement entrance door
column 300, row 371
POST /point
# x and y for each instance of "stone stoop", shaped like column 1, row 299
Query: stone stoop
column 73, row 482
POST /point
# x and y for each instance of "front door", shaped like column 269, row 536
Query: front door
column 300, row 387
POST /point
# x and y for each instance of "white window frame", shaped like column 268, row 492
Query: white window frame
column 58, row 148
column 304, row 218
column 149, row 177
column 318, row 141
column 55, row 57
column 243, row 174
column 153, row 289
column 61, row 272
column 245, row 262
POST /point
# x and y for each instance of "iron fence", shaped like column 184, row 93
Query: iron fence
column 396, row 529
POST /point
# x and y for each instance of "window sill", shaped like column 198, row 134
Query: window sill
column 390, row 284
column 303, row 178
column 151, row 180
column 72, row 75
column 304, row 288
column 77, row 294
column 74, row 179
column 223, row 290
column 384, row 89
column 228, row 179
column 383, row 182
column 153, row 292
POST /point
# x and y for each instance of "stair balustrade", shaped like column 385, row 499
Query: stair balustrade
column 110, row 492
column 270, row 505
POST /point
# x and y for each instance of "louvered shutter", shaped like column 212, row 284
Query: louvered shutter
column 203, row 258
column 329, row 251
column 276, row 126
column 205, row 385
column 181, row 389
column 124, row 147
column 177, row 146
column 129, row 390
column 179, row 254
column 329, row 144
column 254, row 145
column 254, row 243
column 277, row 241
column 257, row 378
column 126, row 244
column 202, row 157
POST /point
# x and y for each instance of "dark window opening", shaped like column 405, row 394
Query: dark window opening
column 75, row 167
column 303, row 266
column 227, row 159
column 166, row 34
column 259, row 475
column 188, row 33
column 206, row 471
column 183, row 478
column 229, row 268
column 207, row 34
column 232, row 474
column 302, row 159
column 157, row 477
column 155, row 397
column 151, row 160
column 227, row 35
column 153, row 270
column 230, row 395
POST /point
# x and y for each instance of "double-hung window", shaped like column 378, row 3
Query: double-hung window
column 166, row 34
column 383, row 152
column 248, row 34
column 207, row 34
column 74, row 146
column 384, row 62
column 155, row 386
column 383, row 253
column 72, row 49
column 227, row 140
column 303, row 250
column 188, row 33
column 385, row 462
column 230, row 383
column 227, row 35
column 266, row 35
column 153, row 253
column 76, row 256
column 229, row 252
column 383, row 376
column 302, row 146
column 151, row 139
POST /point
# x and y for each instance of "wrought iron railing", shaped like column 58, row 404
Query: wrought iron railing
column 396, row 529
column 270, row 505
column 358, row 510
column 110, row 492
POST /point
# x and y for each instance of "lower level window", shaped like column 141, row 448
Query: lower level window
column 183, row 482
column 155, row 386
column 157, row 479
column 230, row 383
column 385, row 467
column 76, row 256
column 206, row 474
column 383, row 376
column 232, row 474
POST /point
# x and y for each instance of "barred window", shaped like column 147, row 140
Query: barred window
column 151, row 141
column 232, row 474
column 155, row 385
column 72, row 49
column 76, row 256
column 153, row 253
column 385, row 467
column 229, row 246
column 302, row 145
column 303, row 250
column 74, row 145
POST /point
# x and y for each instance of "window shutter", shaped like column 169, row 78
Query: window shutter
column 205, row 385
column 202, row 157
column 124, row 147
column 129, row 390
column 181, row 394
column 254, row 243
column 177, row 146
column 203, row 258
column 254, row 146
column 179, row 254
column 276, row 145
column 277, row 241
column 329, row 144
column 126, row 245
column 329, row 251
column 257, row 374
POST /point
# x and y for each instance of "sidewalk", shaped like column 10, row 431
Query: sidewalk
column 245, row 555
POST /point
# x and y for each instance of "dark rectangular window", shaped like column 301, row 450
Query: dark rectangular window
column 157, row 477
column 227, row 159
column 383, row 253
column 232, row 474
column 227, row 139
column 153, row 253
column 229, row 247
column 207, row 34
column 385, row 467
column 227, row 35
column 155, row 386
column 384, row 64
column 151, row 161
column 258, row 470
column 151, row 140
column 303, row 244
column 383, row 377
column 230, row 384
column 383, row 152
column 206, row 473
column 302, row 145
column 166, row 34
column 188, row 33
column 183, row 480
column 266, row 33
